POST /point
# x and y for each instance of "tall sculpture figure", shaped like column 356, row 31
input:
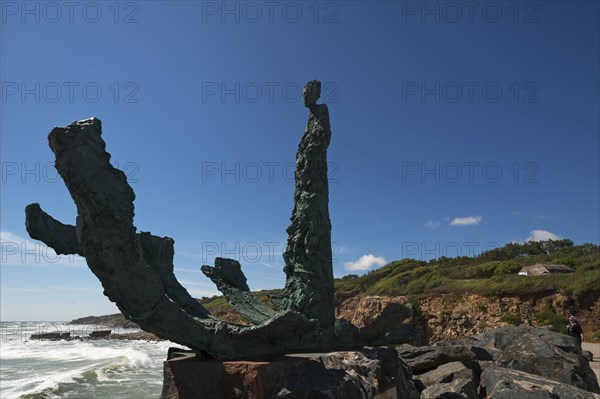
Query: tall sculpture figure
column 308, row 263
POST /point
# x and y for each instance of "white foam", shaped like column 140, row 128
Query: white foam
column 42, row 366
column 41, row 382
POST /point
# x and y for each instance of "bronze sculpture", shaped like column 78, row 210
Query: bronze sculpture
column 136, row 269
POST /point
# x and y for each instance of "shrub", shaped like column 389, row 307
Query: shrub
column 548, row 317
column 511, row 318
column 417, row 286
column 416, row 304
column 507, row 267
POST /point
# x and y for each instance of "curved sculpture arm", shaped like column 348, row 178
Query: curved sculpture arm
column 58, row 236
column 107, row 238
column 230, row 280
column 136, row 270
column 157, row 252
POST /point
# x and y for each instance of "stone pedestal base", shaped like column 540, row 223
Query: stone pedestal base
column 366, row 373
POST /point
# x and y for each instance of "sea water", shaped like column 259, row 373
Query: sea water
column 104, row 368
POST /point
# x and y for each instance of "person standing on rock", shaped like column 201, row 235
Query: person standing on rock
column 574, row 329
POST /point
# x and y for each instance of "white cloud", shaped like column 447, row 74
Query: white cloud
column 20, row 251
column 542, row 235
column 467, row 221
column 432, row 224
column 365, row 262
column 6, row 236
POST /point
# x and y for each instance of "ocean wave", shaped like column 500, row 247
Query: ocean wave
column 50, row 369
column 44, row 385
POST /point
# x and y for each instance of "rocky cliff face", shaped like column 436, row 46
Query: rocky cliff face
column 452, row 317
column 446, row 317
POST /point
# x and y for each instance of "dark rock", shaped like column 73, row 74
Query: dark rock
column 588, row 355
column 458, row 389
column 344, row 375
column 482, row 354
column 503, row 383
column 54, row 336
column 445, row 373
column 406, row 385
column 546, row 365
column 426, row 358
column 100, row 333
column 504, row 337
column 135, row 336
column 389, row 322
column 539, row 351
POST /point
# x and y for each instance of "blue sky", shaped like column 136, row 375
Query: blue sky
column 455, row 128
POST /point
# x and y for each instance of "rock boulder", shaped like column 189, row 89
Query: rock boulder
column 367, row 373
column 540, row 352
column 503, row 383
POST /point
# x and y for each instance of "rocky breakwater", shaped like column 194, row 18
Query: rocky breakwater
column 116, row 320
column 97, row 335
column 516, row 362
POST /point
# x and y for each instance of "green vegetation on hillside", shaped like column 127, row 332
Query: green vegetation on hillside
column 491, row 273
column 511, row 318
column 549, row 317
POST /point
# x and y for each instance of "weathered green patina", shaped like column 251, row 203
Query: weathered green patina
column 136, row 269
column 308, row 263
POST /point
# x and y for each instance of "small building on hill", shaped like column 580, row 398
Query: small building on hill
column 540, row 269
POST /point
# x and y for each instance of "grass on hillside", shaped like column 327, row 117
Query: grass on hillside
column 491, row 273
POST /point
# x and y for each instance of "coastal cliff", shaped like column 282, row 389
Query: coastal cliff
column 456, row 297
column 453, row 317
column 443, row 317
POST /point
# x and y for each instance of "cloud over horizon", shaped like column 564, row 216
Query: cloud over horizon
column 21, row 251
column 432, row 224
column 542, row 235
column 466, row 221
column 365, row 262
